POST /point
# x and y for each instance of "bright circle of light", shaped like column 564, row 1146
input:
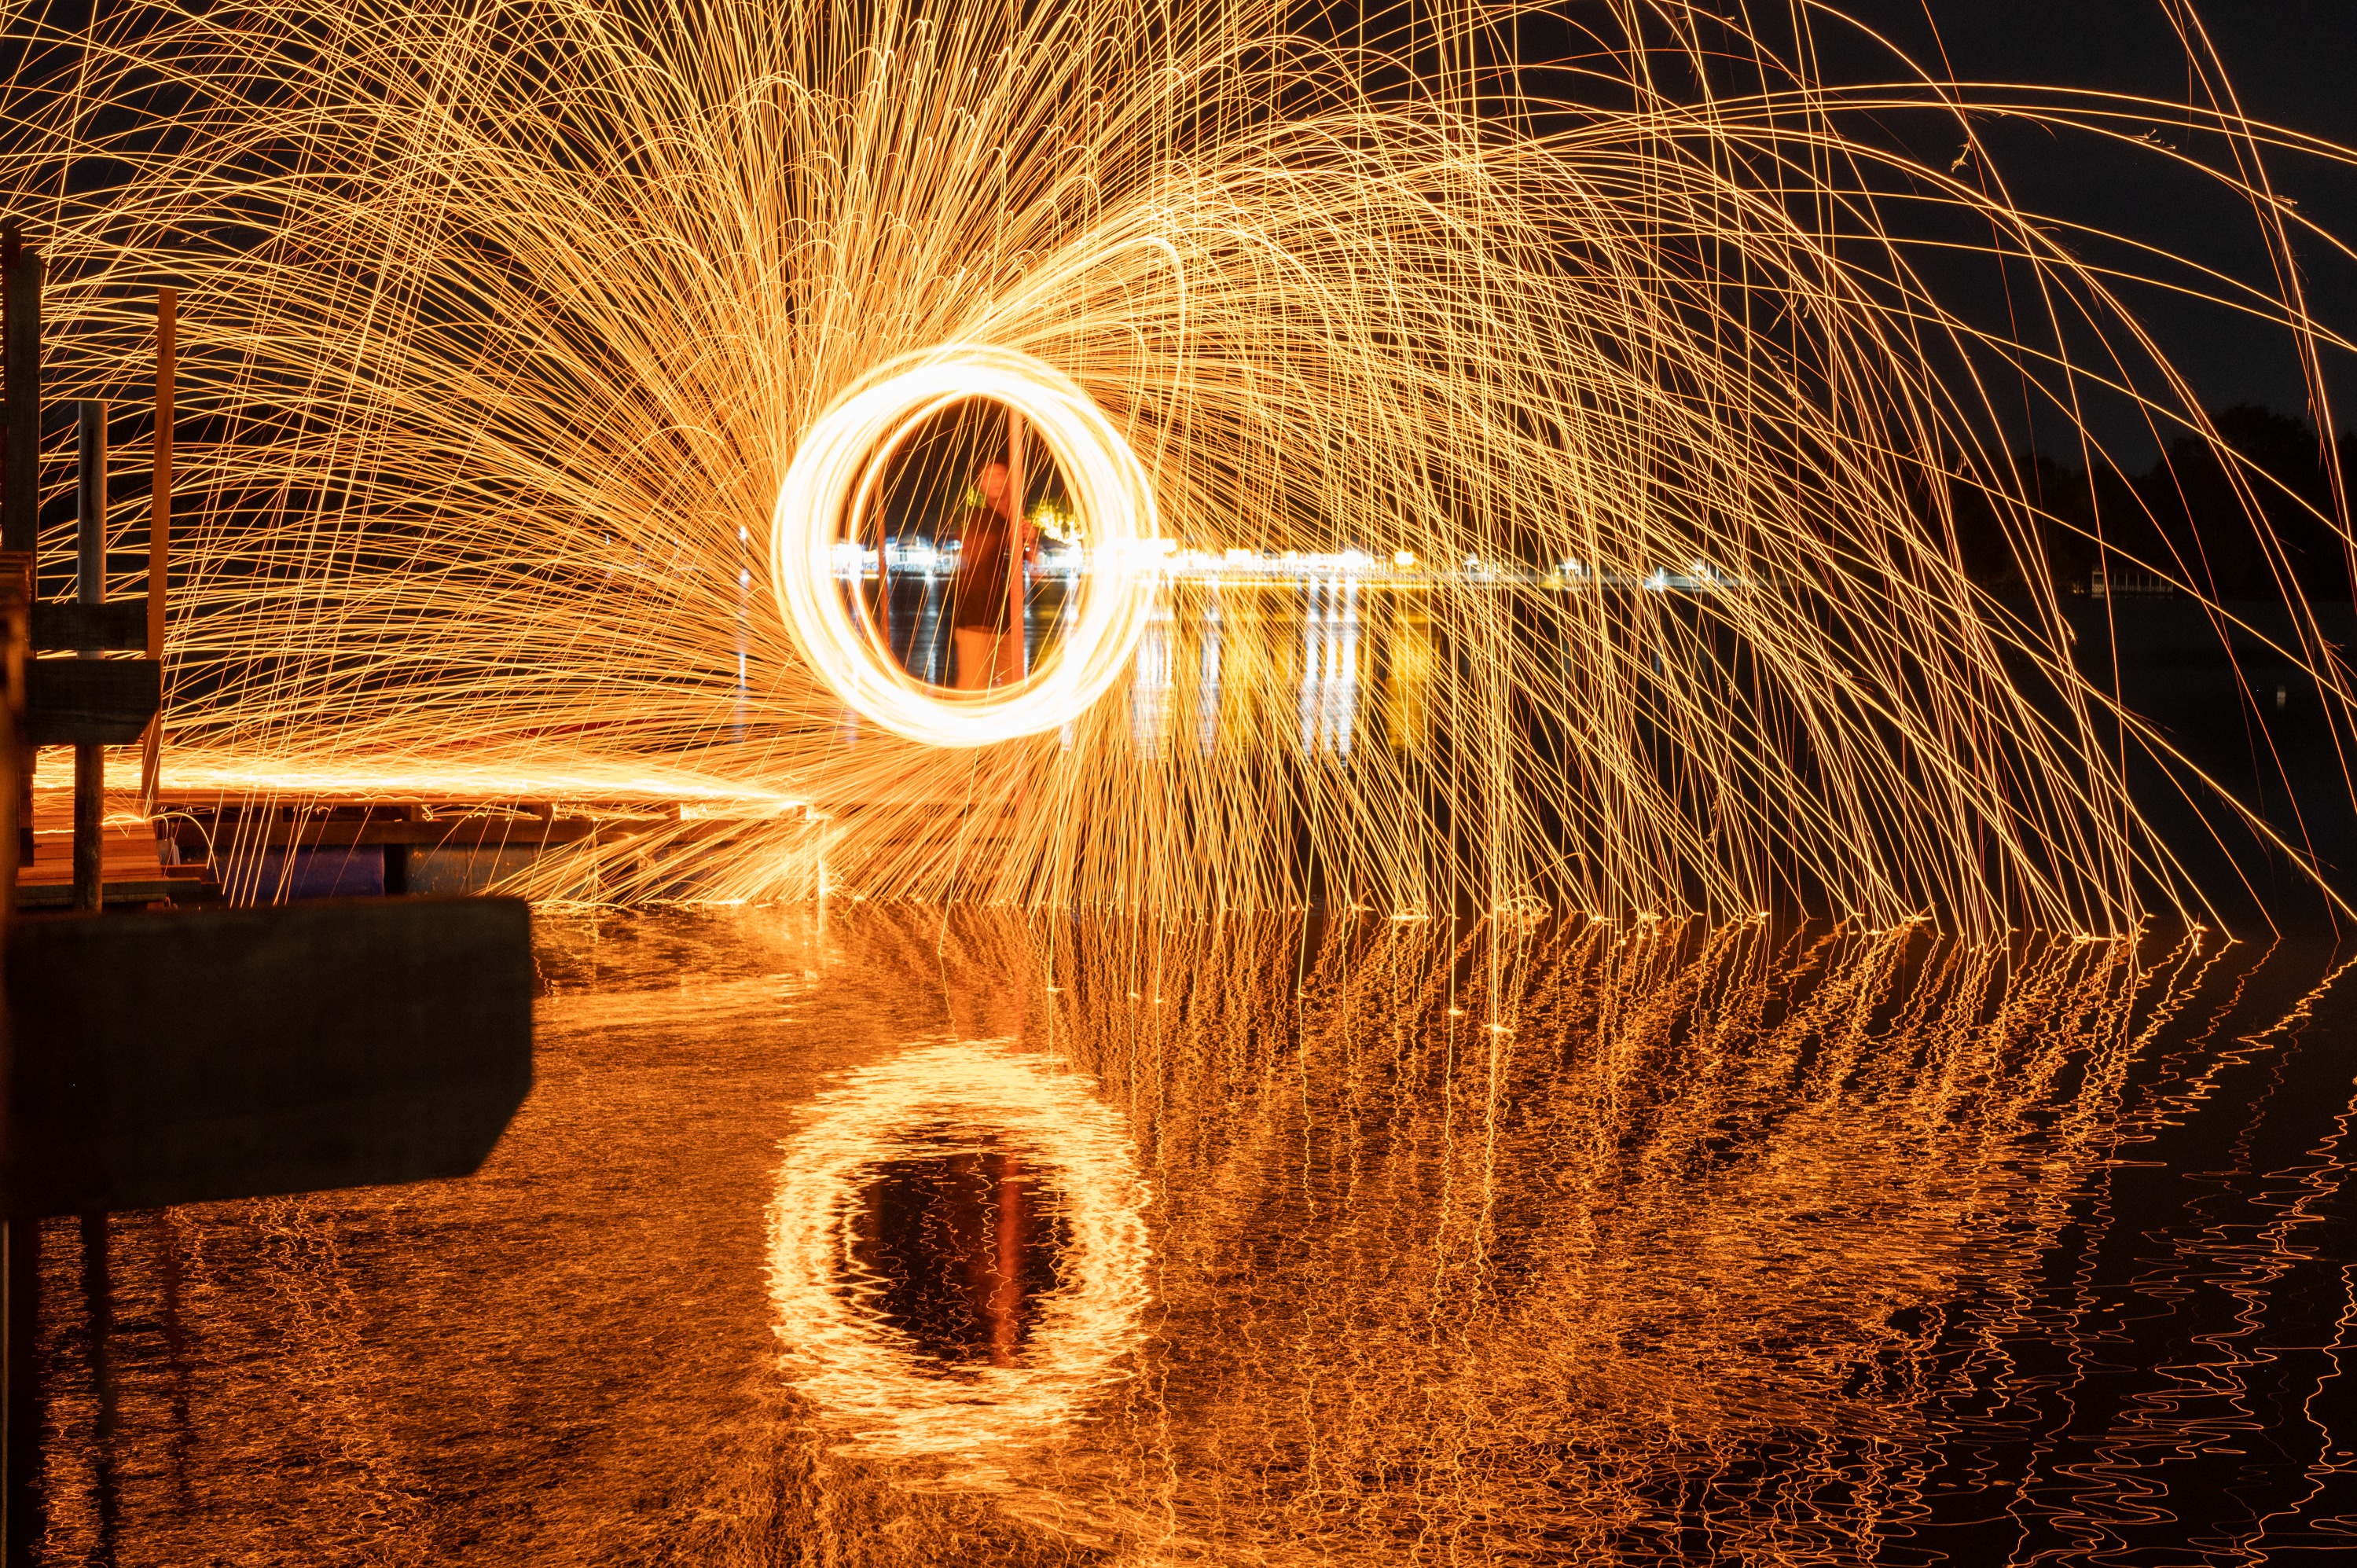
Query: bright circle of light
column 867, row 1380
column 829, row 481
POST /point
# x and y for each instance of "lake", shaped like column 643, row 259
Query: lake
column 859, row 1236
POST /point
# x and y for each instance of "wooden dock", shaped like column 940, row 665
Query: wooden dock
column 139, row 868
column 210, row 823
column 224, row 832
column 186, row 854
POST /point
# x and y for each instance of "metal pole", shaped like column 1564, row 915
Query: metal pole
column 1015, row 487
column 883, row 584
column 159, row 532
column 89, row 544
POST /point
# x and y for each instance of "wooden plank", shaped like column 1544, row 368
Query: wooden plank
column 142, row 867
column 58, row 868
column 513, row 832
column 121, row 844
column 46, row 894
column 187, row 1055
column 90, row 701
column 427, row 808
column 116, row 625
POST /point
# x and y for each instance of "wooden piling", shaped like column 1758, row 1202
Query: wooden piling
column 90, row 590
column 20, row 1240
column 20, row 282
column 159, row 529
column 20, row 474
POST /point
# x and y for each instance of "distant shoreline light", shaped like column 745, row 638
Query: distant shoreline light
column 927, row 558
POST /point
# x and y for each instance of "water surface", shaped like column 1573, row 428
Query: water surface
column 859, row 1236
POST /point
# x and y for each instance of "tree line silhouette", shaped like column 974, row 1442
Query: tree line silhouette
column 2185, row 522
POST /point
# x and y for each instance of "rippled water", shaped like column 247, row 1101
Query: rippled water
column 883, row 1239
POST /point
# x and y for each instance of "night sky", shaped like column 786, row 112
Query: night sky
column 2290, row 62
column 2293, row 62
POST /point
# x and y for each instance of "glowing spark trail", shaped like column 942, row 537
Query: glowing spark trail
column 837, row 462
column 508, row 326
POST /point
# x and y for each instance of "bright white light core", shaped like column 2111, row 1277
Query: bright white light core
column 824, row 500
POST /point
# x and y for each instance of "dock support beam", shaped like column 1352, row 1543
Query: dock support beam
column 159, row 529
column 20, row 481
column 20, row 474
column 90, row 760
column 20, row 1240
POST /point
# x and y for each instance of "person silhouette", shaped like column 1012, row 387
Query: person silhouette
column 987, row 638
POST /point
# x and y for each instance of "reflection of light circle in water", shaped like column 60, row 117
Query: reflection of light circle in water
column 870, row 1376
column 832, row 474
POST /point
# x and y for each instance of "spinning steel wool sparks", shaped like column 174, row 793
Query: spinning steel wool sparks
column 511, row 329
column 836, row 469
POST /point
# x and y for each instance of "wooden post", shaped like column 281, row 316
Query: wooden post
column 22, row 481
column 20, row 476
column 1015, row 538
column 16, row 648
column 90, row 550
column 20, row 1240
column 160, row 532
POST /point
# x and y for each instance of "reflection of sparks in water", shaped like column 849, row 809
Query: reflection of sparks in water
column 1738, row 1247
column 874, row 1377
column 1570, row 1244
